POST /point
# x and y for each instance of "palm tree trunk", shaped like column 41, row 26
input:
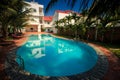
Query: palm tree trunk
column 5, row 32
column 102, row 37
column 20, row 30
column 76, row 34
column 111, row 39
column 96, row 33
column 14, row 30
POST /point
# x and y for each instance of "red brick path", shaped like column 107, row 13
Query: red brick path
column 114, row 64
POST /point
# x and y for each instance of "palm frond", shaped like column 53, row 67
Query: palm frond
column 50, row 5
column 104, row 7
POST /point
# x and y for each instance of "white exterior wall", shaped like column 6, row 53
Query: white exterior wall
column 56, row 17
column 34, row 20
column 47, row 24
column 51, row 26
column 62, row 15
column 37, row 12
column 37, row 7
column 48, row 27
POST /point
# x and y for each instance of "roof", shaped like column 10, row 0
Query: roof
column 67, row 12
column 48, row 18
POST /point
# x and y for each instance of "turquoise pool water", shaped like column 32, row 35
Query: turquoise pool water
column 46, row 55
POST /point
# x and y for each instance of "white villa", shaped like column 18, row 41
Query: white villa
column 60, row 15
column 48, row 24
column 36, row 20
column 49, row 21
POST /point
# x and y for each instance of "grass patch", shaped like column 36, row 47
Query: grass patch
column 114, row 48
column 116, row 51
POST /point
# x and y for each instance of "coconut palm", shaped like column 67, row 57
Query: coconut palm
column 63, row 22
column 57, row 24
column 97, row 8
column 76, row 23
column 83, row 3
column 8, row 9
column 113, row 25
column 5, row 12
column 107, row 20
column 69, row 19
column 100, row 25
column 97, row 25
column 20, row 20
column 104, row 7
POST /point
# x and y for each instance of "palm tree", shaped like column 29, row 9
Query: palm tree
column 104, row 7
column 76, row 24
column 69, row 19
column 82, row 27
column 107, row 20
column 8, row 9
column 63, row 22
column 83, row 3
column 94, row 22
column 57, row 24
column 20, row 20
column 100, row 24
column 5, row 12
column 113, row 24
column 97, row 8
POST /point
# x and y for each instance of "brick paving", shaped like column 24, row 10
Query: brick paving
column 114, row 64
column 113, row 72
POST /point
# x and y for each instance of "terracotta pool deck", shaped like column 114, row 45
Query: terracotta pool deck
column 114, row 62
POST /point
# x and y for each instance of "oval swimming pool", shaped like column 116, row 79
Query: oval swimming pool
column 46, row 55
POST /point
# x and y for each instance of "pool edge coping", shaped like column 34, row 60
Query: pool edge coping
column 97, row 72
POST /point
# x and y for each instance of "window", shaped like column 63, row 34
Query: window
column 41, row 21
column 31, row 29
column 33, row 10
column 40, row 10
column 48, row 22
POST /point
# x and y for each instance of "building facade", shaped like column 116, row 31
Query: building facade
column 47, row 24
column 38, row 22
column 35, row 21
column 60, row 15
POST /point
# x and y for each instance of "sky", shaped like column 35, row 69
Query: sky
column 60, row 5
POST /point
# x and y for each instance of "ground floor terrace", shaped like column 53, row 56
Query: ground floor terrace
column 113, row 72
